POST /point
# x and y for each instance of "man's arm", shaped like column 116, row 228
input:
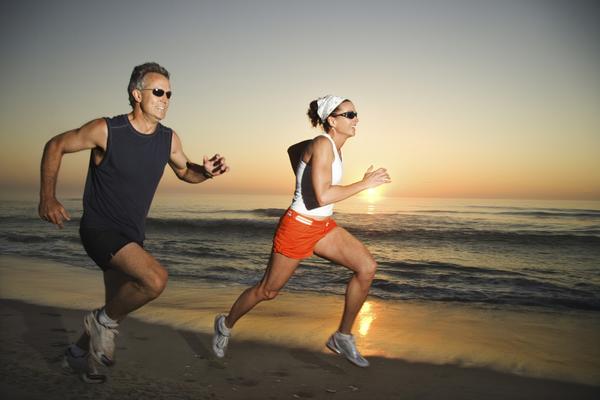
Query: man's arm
column 189, row 172
column 91, row 135
column 325, row 192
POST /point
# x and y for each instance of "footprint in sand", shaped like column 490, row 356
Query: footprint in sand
column 281, row 374
column 63, row 330
column 310, row 358
column 51, row 314
column 241, row 381
column 303, row 395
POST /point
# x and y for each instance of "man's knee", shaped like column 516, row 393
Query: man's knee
column 157, row 282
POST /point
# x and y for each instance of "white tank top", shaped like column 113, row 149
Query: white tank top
column 305, row 201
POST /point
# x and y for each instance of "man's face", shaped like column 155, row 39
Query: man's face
column 151, row 103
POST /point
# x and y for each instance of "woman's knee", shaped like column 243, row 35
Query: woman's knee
column 367, row 269
column 266, row 293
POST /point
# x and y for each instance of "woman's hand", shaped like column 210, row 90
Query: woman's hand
column 375, row 178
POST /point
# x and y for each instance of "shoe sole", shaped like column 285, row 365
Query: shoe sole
column 84, row 376
column 97, row 355
column 331, row 346
column 92, row 378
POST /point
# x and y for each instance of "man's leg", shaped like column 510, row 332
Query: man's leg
column 113, row 280
column 135, row 278
column 76, row 357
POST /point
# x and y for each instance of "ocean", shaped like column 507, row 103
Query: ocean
column 508, row 254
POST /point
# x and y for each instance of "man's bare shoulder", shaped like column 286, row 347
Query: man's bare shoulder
column 97, row 125
column 93, row 134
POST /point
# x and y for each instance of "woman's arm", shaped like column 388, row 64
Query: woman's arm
column 325, row 192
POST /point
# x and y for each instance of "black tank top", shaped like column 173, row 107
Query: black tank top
column 119, row 191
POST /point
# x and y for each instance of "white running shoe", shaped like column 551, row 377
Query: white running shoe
column 83, row 366
column 102, row 339
column 343, row 344
column 221, row 337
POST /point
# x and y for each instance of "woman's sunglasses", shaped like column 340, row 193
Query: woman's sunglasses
column 160, row 93
column 347, row 114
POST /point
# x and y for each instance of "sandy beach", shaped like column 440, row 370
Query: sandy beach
column 163, row 351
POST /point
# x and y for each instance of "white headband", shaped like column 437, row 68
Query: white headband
column 327, row 104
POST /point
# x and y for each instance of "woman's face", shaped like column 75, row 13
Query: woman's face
column 344, row 119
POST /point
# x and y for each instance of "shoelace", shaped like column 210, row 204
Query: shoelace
column 111, row 329
column 222, row 338
column 109, row 335
column 352, row 346
column 114, row 331
column 222, row 341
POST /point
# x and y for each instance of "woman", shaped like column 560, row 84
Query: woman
column 307, row 227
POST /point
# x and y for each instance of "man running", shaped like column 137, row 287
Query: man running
column 128, row 155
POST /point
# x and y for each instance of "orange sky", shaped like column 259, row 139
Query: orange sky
column 456, row 99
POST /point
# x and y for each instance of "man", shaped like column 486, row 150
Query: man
column 128, row 156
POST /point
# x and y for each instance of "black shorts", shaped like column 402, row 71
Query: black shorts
column 102, row 244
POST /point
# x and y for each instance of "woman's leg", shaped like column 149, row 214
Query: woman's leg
column 341, row 247
column 279, row 270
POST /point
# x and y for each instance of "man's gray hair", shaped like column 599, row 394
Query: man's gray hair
column 137, row 77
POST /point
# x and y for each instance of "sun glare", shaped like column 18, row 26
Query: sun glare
column 372, row 195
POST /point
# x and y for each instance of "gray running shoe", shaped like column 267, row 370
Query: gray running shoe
column 83, row 366
column 102, row 340
column 344, row 344
column 221, row 337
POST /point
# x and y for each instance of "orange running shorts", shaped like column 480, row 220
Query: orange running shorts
column 297, row 235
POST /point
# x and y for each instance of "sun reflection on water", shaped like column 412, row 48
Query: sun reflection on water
column 371, row 196
column 365, row 318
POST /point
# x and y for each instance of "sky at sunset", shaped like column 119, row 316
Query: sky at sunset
column 455, row 98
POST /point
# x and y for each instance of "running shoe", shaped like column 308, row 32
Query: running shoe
column 102, row 339
column 221, row 337
column 83, row 366
column 344, row 344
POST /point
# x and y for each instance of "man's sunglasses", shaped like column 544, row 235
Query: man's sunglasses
column 347, row 114
column 160, row 93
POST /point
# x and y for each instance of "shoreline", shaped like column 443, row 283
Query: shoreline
column 553, row 346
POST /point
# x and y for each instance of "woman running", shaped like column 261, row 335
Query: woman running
column 307, row 227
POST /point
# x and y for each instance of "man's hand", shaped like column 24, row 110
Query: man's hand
column 53, row 212
column 215, row 165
